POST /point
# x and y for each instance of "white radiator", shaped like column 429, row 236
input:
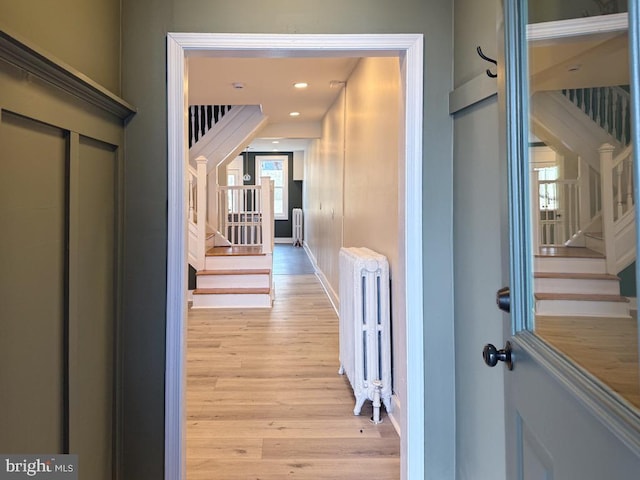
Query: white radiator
column 365, row 339
column 297, row 227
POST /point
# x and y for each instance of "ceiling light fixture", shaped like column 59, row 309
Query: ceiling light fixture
column 301, row 85
column 238, row 85
column 276, row 141
column 294, row 114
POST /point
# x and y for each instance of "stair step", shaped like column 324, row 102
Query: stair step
column 588, row 305
column 247, row 271
column 596, row 235
column 248, row 278
column 576, row 283
column 235, row 250
column 231, row 291
column 232, row 298
column 589, row 297
column 577, row 276
column 219, row 262
column 574, row 265
column 568, row 252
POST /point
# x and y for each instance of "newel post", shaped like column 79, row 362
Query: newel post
column 584, row 194
column 606, row 177
column 266, row 203
column 201, row 202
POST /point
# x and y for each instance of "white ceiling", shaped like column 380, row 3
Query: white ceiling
column 269, row 82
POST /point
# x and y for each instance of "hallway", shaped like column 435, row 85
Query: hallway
column 264, row 400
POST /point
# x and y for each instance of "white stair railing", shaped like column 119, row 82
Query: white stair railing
column 617, row 203
column 558, row 211
column 609, row 107
column 245, row 214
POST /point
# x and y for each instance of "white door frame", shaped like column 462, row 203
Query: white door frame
column 409, row 48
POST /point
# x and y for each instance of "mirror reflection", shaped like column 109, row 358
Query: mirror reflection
column 582, row 195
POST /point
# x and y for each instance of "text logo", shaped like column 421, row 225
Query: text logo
column 42, row 467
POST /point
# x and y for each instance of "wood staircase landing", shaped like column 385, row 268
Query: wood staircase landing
column 573, row 281
column 234, row 277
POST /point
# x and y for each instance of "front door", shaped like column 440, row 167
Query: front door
column 573, row 393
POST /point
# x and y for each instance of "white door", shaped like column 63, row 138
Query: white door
column 573, row 393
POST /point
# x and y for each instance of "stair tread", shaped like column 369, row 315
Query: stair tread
column 581, row 297
column 247, row 271
column 227, row 291
column 577, row 276
column 568, row 252
column 596, row 235
column 235, row 250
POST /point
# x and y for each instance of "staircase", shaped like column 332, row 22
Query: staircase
column 578, row 275
column 231, row 228
column 234, row 277
column 574, row 281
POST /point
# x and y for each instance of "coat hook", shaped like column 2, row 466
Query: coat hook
column 484, row 57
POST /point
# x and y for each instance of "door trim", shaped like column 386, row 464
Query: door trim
column 409, row 48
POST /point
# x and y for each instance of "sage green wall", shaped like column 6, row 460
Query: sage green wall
column 145, row 24
column 480, row 186
column 85, row 34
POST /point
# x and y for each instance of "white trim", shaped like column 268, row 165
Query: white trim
column 259, row 158
column 283, row 240
column 409, row 47
column 599, row 24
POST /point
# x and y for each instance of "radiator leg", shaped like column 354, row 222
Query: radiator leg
column 341, row 370
column 376, row 402
column 359, row 403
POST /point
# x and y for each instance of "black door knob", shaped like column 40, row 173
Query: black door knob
column 492, row 355
column 503, row 299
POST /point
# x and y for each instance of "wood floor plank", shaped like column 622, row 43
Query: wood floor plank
column 373, row 468
column 606, row 347
column 320, row 448
column 265, row 401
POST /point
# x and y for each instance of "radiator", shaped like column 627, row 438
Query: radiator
column 365, row 337
column 297, row 227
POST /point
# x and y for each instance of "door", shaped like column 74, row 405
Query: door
column 572, row 403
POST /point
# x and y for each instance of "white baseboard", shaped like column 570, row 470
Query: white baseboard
column 283, row 240
column 395, row 413
column 333, row 297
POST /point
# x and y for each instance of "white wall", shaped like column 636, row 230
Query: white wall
column 360, row 144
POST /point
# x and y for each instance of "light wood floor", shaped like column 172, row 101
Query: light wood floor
column 606, row 347
column 264, row 400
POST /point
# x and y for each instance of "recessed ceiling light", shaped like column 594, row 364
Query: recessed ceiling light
column 301, row 85
column 574, row 68
column 238, row 85
column 294, row 114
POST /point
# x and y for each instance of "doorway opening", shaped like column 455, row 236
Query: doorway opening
column 408, row 48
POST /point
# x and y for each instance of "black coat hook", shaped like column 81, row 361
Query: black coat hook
column 484, row 57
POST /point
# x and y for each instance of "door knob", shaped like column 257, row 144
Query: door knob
column 492, row 355
column 503, row 299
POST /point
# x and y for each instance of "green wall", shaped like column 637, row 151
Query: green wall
column 145, row 24
column 85, row 34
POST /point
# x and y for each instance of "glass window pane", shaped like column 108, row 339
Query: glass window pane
column 582, row 192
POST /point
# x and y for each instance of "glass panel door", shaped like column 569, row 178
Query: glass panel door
column 582, row 190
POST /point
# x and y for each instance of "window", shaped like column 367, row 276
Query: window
column 276, row 167
column 548, row 195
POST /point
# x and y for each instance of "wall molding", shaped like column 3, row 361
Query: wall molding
column 48, row 68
